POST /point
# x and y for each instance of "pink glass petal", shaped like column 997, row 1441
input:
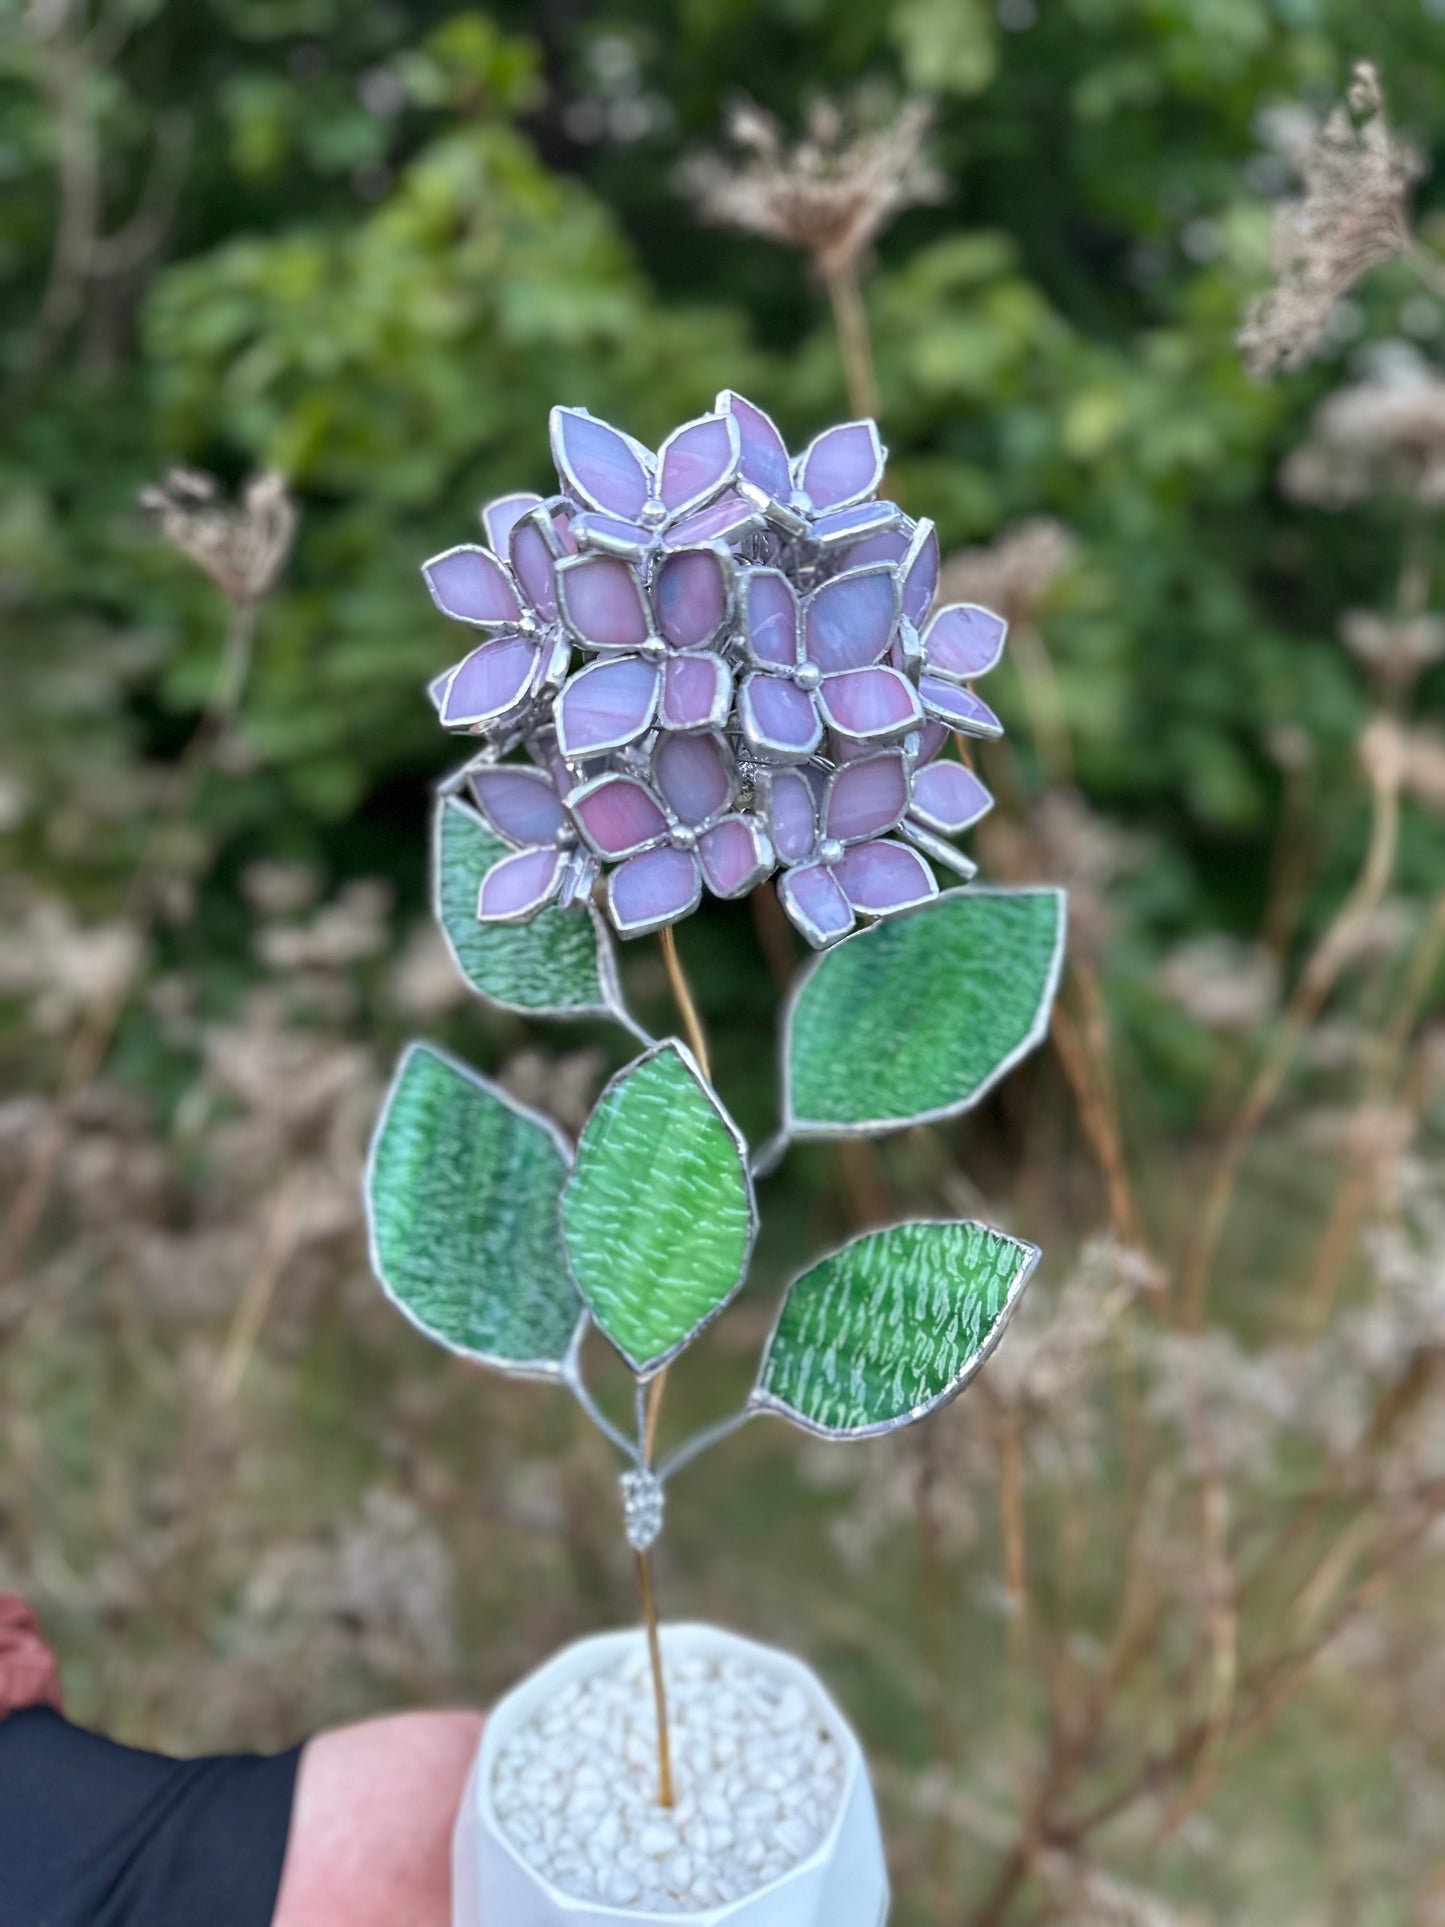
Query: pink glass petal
column 880, row 878
column 606, row 706
column 948, row 798
column 792, row 815
column 520, row 804
column 959, row 708
column 964, row 641
column 931, row 739
column 602, row 602
column 735, row 856
column 920, row 574
column 618, row 815
column 848, row 622
column 770, row 617
column 655, row 888
column 889, row 547
column 695, row 461
column 562, row 523
column 694, row 776
column 815, row 904
column 729, row 517
column 499, row 518
column 534, row 568
column 764, row 460
column 471, row 585
column 600, row 466
column 490, row 682
column 518, row 886
column 696, row 693
column 842, row 466
column 866, row 798
column 778, row 718
column 690, row 595
column 871, row 705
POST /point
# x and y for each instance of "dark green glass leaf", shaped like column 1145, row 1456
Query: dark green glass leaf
column 561, row 963
column 891, row 1326
column 461, row 1197
column 920, row 1015
column 658, row 1217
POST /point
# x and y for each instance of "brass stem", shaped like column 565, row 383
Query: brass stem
column 665, row 1793
column 682, row 996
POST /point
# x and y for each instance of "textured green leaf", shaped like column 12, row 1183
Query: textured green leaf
column 890, row 1327
column 658, row 1217
column 560, row 962
column 461, row 1197
column 920, row 1015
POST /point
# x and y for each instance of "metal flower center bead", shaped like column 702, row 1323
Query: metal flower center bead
column 807, row 675
column 830, row 850
column 682, row 838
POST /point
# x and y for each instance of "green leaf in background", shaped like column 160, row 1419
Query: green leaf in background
column 919, row 1016
column 461, row 1199
column 891, row 1327
column 562, row 963
column 658, row 1217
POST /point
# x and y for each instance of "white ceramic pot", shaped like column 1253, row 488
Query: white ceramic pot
column 843, row 1883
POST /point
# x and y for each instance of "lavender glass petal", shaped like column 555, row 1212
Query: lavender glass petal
column 619, row 816
column 777, row 717
column 603, row 603
column 693, row 774
column 601, row 464
column 734, row 856
column 520, row 804
column 764, row 460
column 690, row 596
column 489, row 682
column 696, row 459
column 964, row 641
column 535, row 569
column 655, row 888
column 518, row 886
column 770, row 617
column 959, row 708
column 842, row 466
column 882, row 877
column 870, row 704
column 866, row 798
column 793, row 815
column 696, row 693
column 499, row 518
column 848, row 622
column 948, row 798
column 815, row 904
column 606, row 706
column 920, row 579
column 471, row 585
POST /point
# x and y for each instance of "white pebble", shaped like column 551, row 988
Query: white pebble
column 758, row 1779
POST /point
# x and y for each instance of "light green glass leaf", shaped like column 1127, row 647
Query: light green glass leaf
column 658, row 1218
column 562, row 963
column 919, row 1016
column 461, row 1199
column 890, row 1327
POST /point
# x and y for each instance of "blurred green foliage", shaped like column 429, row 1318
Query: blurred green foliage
column 400, row 233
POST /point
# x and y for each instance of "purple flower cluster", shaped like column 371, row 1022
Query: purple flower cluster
column 708, row 664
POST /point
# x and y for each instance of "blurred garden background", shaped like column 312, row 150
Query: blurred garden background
column 1147, row 1628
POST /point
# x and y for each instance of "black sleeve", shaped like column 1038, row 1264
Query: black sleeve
column 98, row 1835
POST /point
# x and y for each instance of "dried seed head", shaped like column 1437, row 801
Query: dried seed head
column 243, row 546
column 830, row 194
column 1223, row 984
column 1353, row 214
column 1384, row 434
column 1400, row 648
column 1014, row 574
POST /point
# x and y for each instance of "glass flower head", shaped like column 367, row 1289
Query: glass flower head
column 708, row 664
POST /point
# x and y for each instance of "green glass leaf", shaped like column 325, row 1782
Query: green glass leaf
column 461, row 1198
column 562, row 963
column 891, row 1327
column 658, row 1218
column 919, row 1016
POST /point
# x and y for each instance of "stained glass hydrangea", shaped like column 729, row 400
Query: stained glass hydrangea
column 705, row 664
